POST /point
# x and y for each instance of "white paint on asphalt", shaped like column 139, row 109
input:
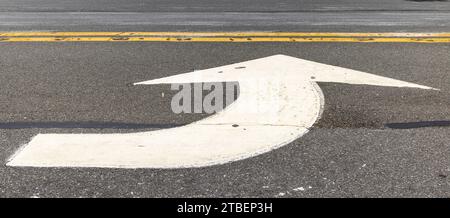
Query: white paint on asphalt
column 242, row 130
column 299, row 189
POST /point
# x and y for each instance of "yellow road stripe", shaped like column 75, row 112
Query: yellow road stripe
column 218, row 34
column 226, row 39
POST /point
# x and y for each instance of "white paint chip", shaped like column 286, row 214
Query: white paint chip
column 299, row 189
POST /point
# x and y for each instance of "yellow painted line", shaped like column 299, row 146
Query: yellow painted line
column 220, row 34
column 226, row 39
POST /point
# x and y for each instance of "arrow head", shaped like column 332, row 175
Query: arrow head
column 276, row 66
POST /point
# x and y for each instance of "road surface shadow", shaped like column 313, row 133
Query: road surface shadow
column 421, row 124
column 427, row 0
column 84, row 125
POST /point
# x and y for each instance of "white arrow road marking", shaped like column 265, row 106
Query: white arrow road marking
column 213, row 140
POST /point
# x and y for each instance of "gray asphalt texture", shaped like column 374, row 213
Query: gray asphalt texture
column 370, row 141
column 220, row 5
column 225, row 15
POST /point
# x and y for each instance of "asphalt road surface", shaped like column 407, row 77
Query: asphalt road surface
column 370, row 142
column 225, row 15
